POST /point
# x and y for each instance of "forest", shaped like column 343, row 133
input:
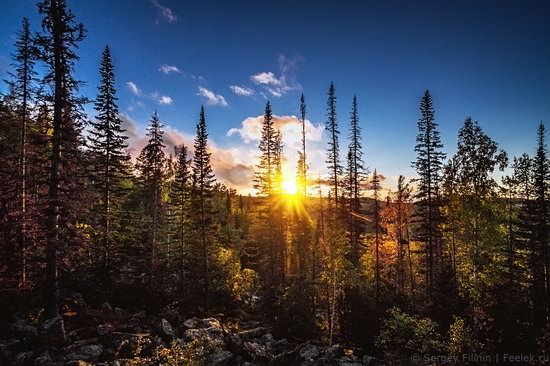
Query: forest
column 107, row 259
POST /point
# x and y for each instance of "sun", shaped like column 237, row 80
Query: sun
column 289, row 186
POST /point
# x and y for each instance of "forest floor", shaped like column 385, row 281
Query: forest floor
column 85, row 335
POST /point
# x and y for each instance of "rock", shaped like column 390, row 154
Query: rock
column 368, row 360
column 268, row 338
column 52, row 332
column 45, row 359
column 166, row 329
column 256, row 351
column 118, row 311
column 88, row 352
column 210, row 323
column 192, row 323
column 24, row 330
column 334, row 351
column 222, row 358
column 309, row 352
column 250, row 324
column 106, row 306
column 23, row 358
column 253, row 333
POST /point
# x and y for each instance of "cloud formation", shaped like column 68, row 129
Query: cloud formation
column 290, row 127
column 285, row 82
column 162, row 99
column 211, row 97
column 168, row 69
column 133, row 88
column 241, row 90
column 165, row 12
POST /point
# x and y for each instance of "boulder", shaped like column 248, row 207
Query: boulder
column 106, row 306
column 221, row 358
column 309, row 352
column 192, row 323
column 52, row 332
column 166, row 329
column 87, row 352
column 253, row 333
column 210, row 323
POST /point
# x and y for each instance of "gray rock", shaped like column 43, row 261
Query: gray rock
column 52, row 332
column 334, row 351
column 222, row 358
column 256, row 350
column 192, row 323
column 166, row 329
column 23, row 359
column 88, row 352
column 106, row 306
column 268, row 338
column 368, row 360
column 253, row 333
column 309, row 352
column 210, row 323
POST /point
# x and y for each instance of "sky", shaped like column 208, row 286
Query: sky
column 485, row 59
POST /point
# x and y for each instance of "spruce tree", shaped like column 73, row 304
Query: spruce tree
column 302, row 162
column 57, row 44
column 203, row 210
column 180, row 196
column 109, row 162
column 22, row 95
column 376, row 188
column 333, row 151
column 356, row 172
column 150, row 165
column 428, row 165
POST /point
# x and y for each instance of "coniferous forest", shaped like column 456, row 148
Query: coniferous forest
column 109, row 258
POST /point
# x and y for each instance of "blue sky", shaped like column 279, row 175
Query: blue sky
column 487, row 59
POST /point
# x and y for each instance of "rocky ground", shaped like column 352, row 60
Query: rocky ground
column 107, row 336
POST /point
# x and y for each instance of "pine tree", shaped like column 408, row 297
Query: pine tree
column 150, row 164
column 57, row 45
column 109, row 161
column 265, row 174
column 428, row 165
column 203, row 215
column 333, row 151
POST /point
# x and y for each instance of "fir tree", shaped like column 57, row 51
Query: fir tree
column 57, row 44
column 428, row 165
column 203, row 214
column 376, row 187
column 333, row 151
column 109, row 160
column 150, row 164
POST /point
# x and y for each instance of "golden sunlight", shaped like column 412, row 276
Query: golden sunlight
column 289, row 186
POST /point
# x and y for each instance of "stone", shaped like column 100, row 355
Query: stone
column 253, row 333
column 192, row 323
column 309, row 352
column 334, row 351
column 368, row 360
column 222, row 358
column 256, row 351
column 52, row 332
column 106, row 306
column 210, row 323
column 166, row 329
column 88, row 352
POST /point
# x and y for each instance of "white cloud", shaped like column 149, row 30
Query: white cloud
column 290, row 127
column 162, row 99
column 277, row 86
column 133, row 88
column 211, row 97
column 168, row 69
column 165, row 12
column 165, row 100
column 241, row 90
